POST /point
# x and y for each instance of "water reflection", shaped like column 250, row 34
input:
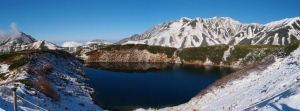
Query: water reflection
column 142, row 67
column 130, row 67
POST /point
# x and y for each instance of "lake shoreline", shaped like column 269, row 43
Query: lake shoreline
column 185, row 63
column 158, row 85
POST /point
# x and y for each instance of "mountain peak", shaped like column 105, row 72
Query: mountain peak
column 18, row 38
column 185, row 18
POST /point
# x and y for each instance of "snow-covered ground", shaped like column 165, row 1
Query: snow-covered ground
column 65, row 79
column 49, row 45
column 274, row 88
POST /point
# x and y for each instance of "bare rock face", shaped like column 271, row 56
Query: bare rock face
column 130, row 55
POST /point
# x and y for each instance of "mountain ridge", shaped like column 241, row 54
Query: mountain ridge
column 197, row 32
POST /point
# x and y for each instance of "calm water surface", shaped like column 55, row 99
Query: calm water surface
column 126, row 86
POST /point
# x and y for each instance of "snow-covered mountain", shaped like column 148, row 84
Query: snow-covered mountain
column 22, row 38
column 196, row 32
column 134, row 37
column 23, row 41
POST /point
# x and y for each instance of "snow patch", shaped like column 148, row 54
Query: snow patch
column 227, row 52
column 4, row 68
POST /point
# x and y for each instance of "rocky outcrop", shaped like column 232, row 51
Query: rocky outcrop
column 131, row 55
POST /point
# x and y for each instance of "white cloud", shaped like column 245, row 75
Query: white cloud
column 71, row 44
column 89, row 42
column 14, row 32
column 14, row 29
column 2, row 33
column 99, row 42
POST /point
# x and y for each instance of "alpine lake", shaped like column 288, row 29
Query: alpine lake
column 128, row 86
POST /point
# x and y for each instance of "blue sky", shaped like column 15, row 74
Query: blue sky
column 59, row 21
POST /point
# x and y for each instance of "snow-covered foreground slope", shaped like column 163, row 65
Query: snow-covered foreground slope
column 269, row 87
column 64, row 77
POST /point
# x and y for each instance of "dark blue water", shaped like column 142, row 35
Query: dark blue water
column 125, row 86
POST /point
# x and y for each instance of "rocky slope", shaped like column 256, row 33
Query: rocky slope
column 50, row 79
column 196, row 32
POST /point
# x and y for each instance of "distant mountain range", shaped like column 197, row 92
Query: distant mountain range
column 21, row 41
column 187, row 32
column 99, row 42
